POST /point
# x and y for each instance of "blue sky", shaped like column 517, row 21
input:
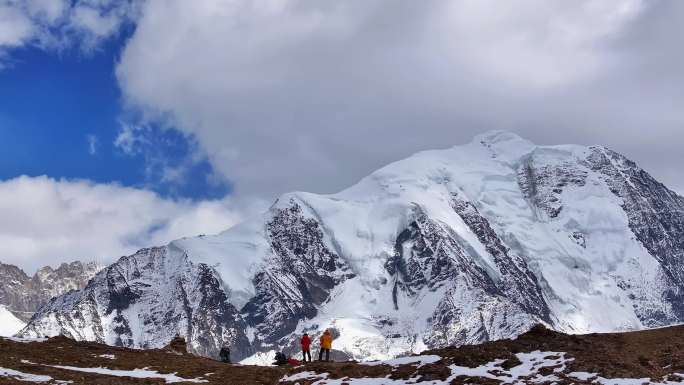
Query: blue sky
column 61, row 113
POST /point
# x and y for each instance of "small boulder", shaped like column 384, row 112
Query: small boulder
column 177, row 345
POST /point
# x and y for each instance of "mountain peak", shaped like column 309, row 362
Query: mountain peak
column 498, row 136
column 505, row 145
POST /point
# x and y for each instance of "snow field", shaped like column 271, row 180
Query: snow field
column 9, row 323
column 414, row 360
column 11, row 373
column 25, row 340
column 135, row 373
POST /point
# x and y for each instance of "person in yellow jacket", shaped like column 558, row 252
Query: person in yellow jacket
column 326, row 345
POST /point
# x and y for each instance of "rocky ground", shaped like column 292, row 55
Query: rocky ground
column 539, row 356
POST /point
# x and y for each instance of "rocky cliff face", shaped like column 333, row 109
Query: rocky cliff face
column 458, row 246
column 297, row 277
column 23, row 295
column 656, row 217
column 145, row 300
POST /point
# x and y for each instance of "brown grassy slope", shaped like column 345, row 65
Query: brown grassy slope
column 653, row 353
column 66, row 352
column 649, row 353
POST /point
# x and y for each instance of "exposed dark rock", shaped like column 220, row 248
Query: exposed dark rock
column 24, row 295
column 300, row 274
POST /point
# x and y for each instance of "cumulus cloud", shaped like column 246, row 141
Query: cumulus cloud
column 313, row 95
column 48, row 221
column 58, row 24
column 15, row 27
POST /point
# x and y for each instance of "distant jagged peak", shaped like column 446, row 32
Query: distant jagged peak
column 24, row 294
column 66, row 267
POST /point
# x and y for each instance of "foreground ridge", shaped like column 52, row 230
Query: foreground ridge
column 540, row 356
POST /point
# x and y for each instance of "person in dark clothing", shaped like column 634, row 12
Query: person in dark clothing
column 224, row 355
column 306, row 347
column 280, row 359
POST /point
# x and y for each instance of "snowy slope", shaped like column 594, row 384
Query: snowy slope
column 9, row 324
column 455, row 246
column 144, row 301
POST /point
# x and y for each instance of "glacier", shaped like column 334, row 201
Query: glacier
column 9, row 323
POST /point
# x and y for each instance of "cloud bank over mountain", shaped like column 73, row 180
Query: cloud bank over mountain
column 48, row 221
column 337, row 89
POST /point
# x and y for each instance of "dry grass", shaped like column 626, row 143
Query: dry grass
column 654, row 353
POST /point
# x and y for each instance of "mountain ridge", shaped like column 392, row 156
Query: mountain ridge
column 474, row 243
column 23, row 294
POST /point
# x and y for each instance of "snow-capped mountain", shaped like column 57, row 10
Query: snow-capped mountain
column 463, row 245
column 23, row 295
column 145, row 300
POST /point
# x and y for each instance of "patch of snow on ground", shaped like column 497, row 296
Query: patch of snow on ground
column 305, row 376
column 624, row 381
column 17, row 375
column 26, row 340
column 582, row 376
column 135, row 373
column 420, row 360
column 531, row 364
column 108, row 356
column 369, row 381
column 627, row 381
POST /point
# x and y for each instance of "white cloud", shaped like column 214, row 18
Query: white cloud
column 56, row 24
column 535, row 43
column 48, row 11
column 93, row 144
column 130, row 138
column 313, row 95
column 92, row 20
column 48, row 221
column 15, row 27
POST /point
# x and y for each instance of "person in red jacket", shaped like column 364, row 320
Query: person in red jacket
column 306, row 346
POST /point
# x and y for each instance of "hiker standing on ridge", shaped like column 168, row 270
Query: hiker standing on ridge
column 326, row 344
column 306, row 345
column 224, row 355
